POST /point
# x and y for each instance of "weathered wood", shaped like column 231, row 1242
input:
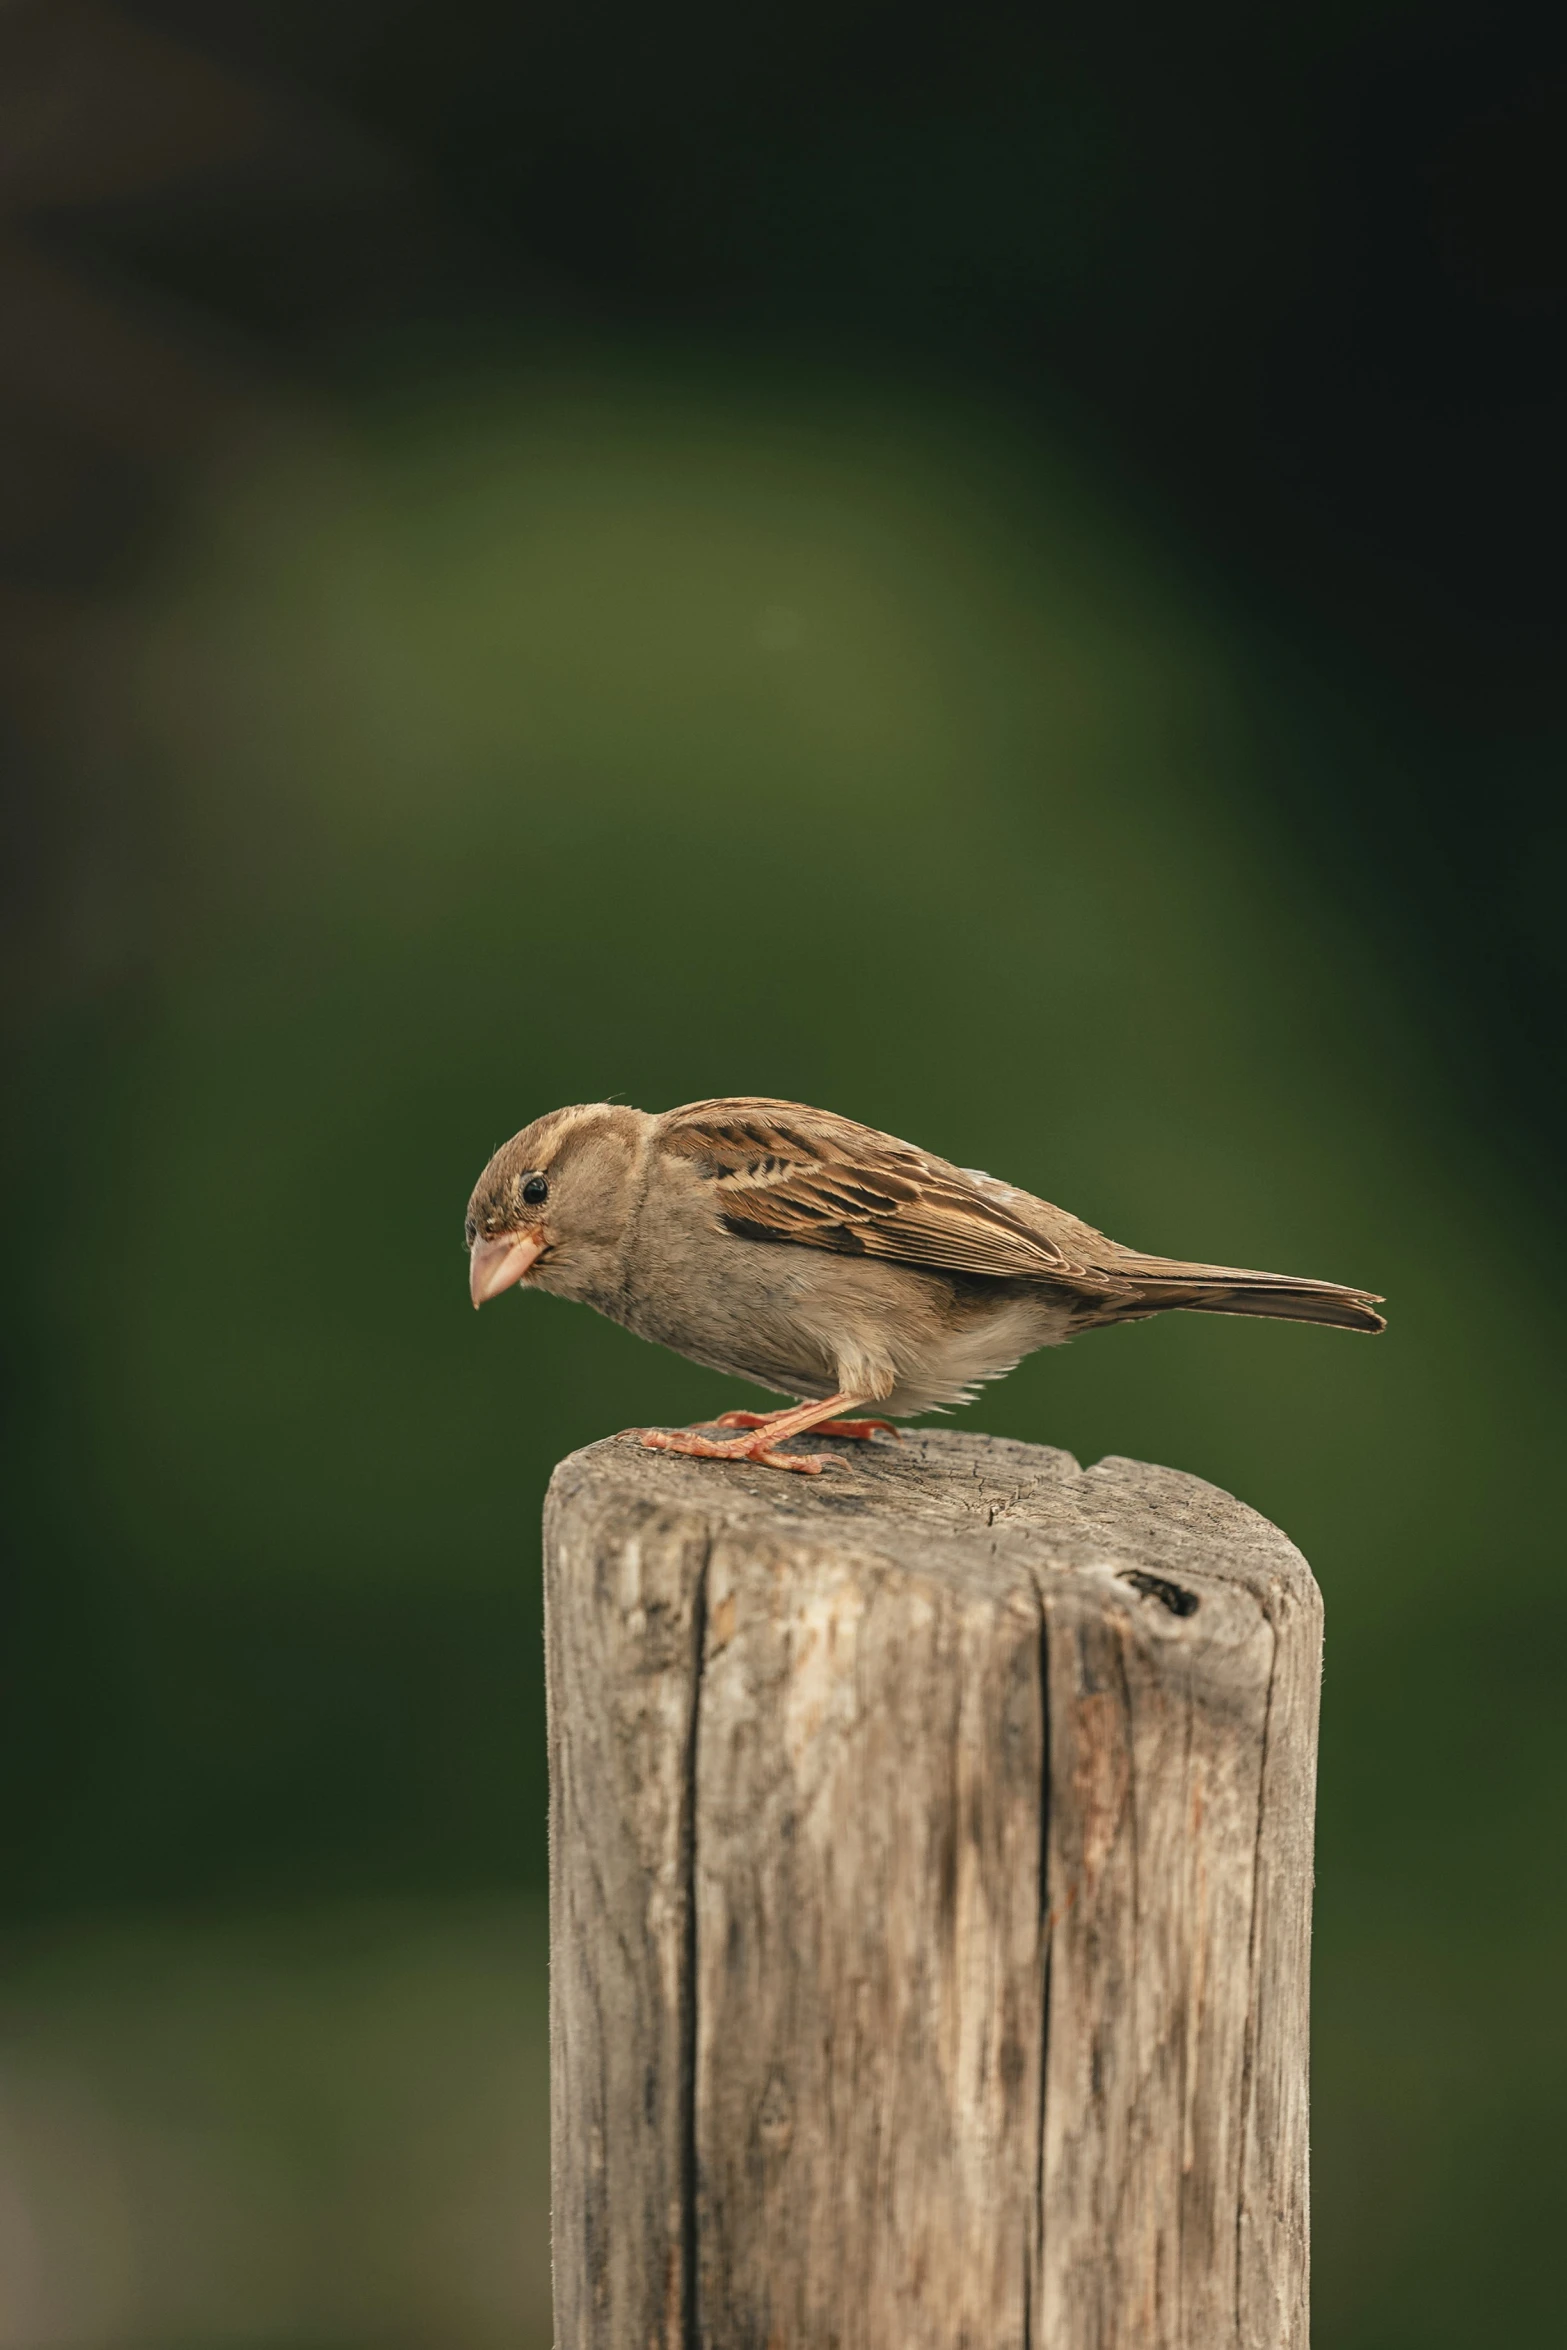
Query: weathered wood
column 930, row 1897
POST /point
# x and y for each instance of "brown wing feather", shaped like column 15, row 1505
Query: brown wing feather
column 783, row 1172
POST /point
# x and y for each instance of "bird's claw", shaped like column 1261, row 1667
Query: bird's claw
column 712, row 1448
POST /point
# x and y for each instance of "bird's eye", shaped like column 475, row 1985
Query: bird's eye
column 535, row 1191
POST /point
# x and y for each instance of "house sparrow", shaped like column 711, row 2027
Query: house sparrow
column 821, row 1259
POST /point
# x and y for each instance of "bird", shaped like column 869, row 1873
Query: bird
column 822, row 1260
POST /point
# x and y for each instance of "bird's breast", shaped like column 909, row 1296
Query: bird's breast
column 736, row 1305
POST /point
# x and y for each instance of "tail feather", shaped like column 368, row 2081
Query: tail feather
column 1162, row 1283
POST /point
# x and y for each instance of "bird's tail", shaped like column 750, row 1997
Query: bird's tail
column 1161, row 1283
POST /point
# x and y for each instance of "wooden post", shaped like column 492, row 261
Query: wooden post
column 929, row 1904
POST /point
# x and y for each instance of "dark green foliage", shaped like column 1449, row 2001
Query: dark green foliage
column 669, row 739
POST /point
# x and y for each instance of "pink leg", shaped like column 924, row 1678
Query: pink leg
column 761, row 1445
column 859, row 1428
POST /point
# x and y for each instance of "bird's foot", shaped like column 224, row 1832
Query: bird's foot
column 737, row 1448
column 863, row 1430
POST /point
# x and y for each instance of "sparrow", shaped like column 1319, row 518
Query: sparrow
column 823, row 1260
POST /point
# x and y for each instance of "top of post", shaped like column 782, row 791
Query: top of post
column 958, row 1503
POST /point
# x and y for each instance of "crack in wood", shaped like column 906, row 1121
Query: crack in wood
column 690, row 2177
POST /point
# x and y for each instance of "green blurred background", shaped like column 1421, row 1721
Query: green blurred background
column 586, row 564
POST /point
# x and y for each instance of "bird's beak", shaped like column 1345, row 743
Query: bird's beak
column 493, row 1265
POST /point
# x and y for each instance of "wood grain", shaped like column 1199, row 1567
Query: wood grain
column 930, row 1899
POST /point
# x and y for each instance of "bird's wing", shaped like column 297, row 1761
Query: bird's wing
column 782, row 1172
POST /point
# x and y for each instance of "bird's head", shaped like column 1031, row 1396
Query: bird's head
column 551, row 1206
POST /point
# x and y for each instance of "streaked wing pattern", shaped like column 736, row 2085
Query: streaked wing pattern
column 785, row 1173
